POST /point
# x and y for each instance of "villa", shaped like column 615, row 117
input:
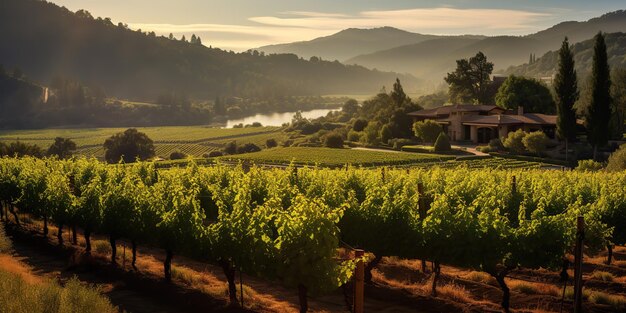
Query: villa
column 481, row 123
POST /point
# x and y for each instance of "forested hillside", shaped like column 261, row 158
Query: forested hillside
column 47, row 41
column 546, row 65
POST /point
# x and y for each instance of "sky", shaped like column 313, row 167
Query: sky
column 240, row 25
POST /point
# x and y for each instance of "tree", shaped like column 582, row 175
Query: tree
column 372, row 133
column 128, row 146
column 514, row 141
column 231, row 148
column 271, row 143
column 617, row 160
column 566, row 89
column 599, row 112
column 427, row 130
column 359, row 125
column 532, row 94
column 618, row 92
column 218, row 106
column 350, row 107
column 470, row 81
column 333, row 140
column 385, row 133
column 398, row 96
column 62, row 148
column 443, row 143
column 171, row 36
column 536, row 142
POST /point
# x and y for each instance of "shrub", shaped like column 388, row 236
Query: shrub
column 354, row 136
column 496, row 144
column 271, row 143
column 248, row 148
column 177, row 155
column 372, row 132
column 398, row 143
column 427, row 131
column 443, row 143
column 603, row 276
column 385, row 134
column 514, row 142
column 536, row 142
column 240, row 125
column 333, row 140
column 359, row 125
column 214, row 154
column 485, row 149
column 231, row 148
column 589, row 166
column 128, row 146
column 288, row 143
column 256, row 124
column 617, row 160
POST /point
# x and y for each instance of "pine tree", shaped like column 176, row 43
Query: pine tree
column 599, row 113
column 566, row 88
column 193, row 39
column 530, row 59
column 183, row 39
column 171, row 36
column 398, row 95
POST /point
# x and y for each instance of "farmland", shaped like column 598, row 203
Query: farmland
column 191, row 140
column 200, row 217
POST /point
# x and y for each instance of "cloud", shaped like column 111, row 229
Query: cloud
column 305, row 25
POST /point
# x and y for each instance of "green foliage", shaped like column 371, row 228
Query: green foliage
column 18, row 296
column 177, row 155
column 350, row 107
column 62, row 148
column 443, row 143
column 469, row 83
column 372, row 133
column 128, row 147
column 271, row 143
column 566, row 89
column 514, row 141
column 536, row 142
column 589, row 166
column 20, row 149
column 385, row 134
column 599, row 110
column 359, row 125
column 618, row 93
column 333, row 140
column 531, row 94
column 617, row 160
column 427, row 131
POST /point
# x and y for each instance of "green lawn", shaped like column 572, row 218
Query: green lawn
column 336, row 157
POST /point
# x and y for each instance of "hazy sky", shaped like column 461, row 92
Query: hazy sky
column 242, row 24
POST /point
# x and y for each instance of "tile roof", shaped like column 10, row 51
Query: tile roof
column 447, row 109
column 509, row 119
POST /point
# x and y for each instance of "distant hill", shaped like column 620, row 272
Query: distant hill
column 47, row 41
column 17, row 95
column 546, row 65
column 349, row 43
column 432, row 59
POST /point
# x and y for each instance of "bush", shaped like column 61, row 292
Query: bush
column 354, row 136
column 177, row 155
column 333, row 140
column 372, row 132
column 496, row 144
column 398, row 143
column 271, row 143
column 240, row 125
column 248, row 148
column 486, row 149
column 231, row 148
column 443, row 143
column 359, row 125
column 427, row 131
column 589, row 166
column 385, row 134
column 536, row 142
column 514, row 142
column 288, row 143
column 214, row 154
column 256, row 124
column 128, row 146
column 617, row 160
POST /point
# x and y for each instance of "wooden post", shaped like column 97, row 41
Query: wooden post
column 359, row 282
column 578, row 265
column 514, row 185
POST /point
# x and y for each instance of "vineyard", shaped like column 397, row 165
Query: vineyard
column 198, row 140
column 293, row 226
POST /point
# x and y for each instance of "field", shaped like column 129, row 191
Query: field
column 191, row 140
column 336, row 157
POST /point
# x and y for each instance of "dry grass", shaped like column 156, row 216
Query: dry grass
column 479, row 277
column 603, row 276
column 615, row 301
column 101, row 247
column 455, row 292
column 534, row 288
column 5, row 242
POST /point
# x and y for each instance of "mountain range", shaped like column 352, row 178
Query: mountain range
column 430, row 57
column 47, row 41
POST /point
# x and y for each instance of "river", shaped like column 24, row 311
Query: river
column 277, row 119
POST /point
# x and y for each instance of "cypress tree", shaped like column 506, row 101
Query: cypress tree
column 599, row 113
column 566, row 87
